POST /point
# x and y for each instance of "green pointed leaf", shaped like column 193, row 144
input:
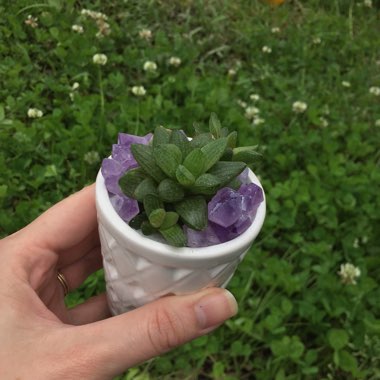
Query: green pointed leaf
column 156, row 217
column 215, row 126
column 137, row 221
column 197, row 129
column 171, row 218
column 234, row 184
column 147, row 186
column 246, row 154
column 232, row 139
column 130, row 180
column 143, row 154
column 152, row 202
column 180, row 139
column 194, row 162
column 213, row 151
column 184, row 176
column 224, row 132
column 206, row 184
column 201, row 140
column 161, row 136
column 227, row 155
column 193, row 212
column 174, row 235
column 170, row 191
column 226, row 171
column 147, row 228
column 168, row 157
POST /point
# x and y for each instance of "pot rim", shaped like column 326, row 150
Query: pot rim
column 164, row 253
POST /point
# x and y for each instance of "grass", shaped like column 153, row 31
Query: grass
column 320, row 168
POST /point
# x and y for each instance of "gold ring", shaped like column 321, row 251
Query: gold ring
column 62, row 280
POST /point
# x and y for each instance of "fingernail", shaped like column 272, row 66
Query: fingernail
column 213, row 309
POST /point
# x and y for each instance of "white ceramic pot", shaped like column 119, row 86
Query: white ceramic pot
column 139, row 270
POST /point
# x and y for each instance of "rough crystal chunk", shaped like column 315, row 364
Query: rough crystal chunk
column 124, row 156
column 201, row 238
column 127, row 139
column 111, row 168
column 126, row 207
column 224, row 208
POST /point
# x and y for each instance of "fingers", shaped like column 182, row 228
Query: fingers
column 94, row 309
column 66, row 224
column 78, row 271
column 74, row 253
column 126, row 340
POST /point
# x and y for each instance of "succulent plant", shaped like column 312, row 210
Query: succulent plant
column 177, row 176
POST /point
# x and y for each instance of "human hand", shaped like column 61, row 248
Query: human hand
column 41, row 339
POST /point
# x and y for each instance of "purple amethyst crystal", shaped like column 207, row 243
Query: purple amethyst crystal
column 124, row 156
column 230, row 213
column 224, row 208
column 201, row 238
column 126, row 207
column 243, row 176
column 127, row 139
column 111, row 168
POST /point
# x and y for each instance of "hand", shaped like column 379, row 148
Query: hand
column 41, row 339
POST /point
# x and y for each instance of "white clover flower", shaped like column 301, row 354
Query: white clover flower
column 242, row 103
column 31, row 21
column 367, row 3
column 323, row 122
column 377, row 123
column 34, row 113
column 266, row 49
column 174, row 61
column 251, row 112
column 348, row 274
column 299, row 107
column 75, row 86
column 275, row 30
column 103, row 27
column 91, row 157
column 317, row 40
column 93, row 14
column 77, row 29
column 374, row 90
column 138, row 90
column 145, row 34
column 150, row 66
column 99, row 59
column 346, row 84
column 254, row 97
column 231, row 72
column 356, row 243
column 258, row 121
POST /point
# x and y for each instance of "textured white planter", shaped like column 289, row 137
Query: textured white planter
column 139, row 270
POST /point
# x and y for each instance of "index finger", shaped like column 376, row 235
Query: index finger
column 67, row 223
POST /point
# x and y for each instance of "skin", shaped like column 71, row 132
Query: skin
column 42, row 339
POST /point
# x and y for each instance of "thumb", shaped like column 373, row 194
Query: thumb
column 123, row 341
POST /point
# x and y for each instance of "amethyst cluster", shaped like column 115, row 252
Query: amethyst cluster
column 113, row 168
column 230, row 213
